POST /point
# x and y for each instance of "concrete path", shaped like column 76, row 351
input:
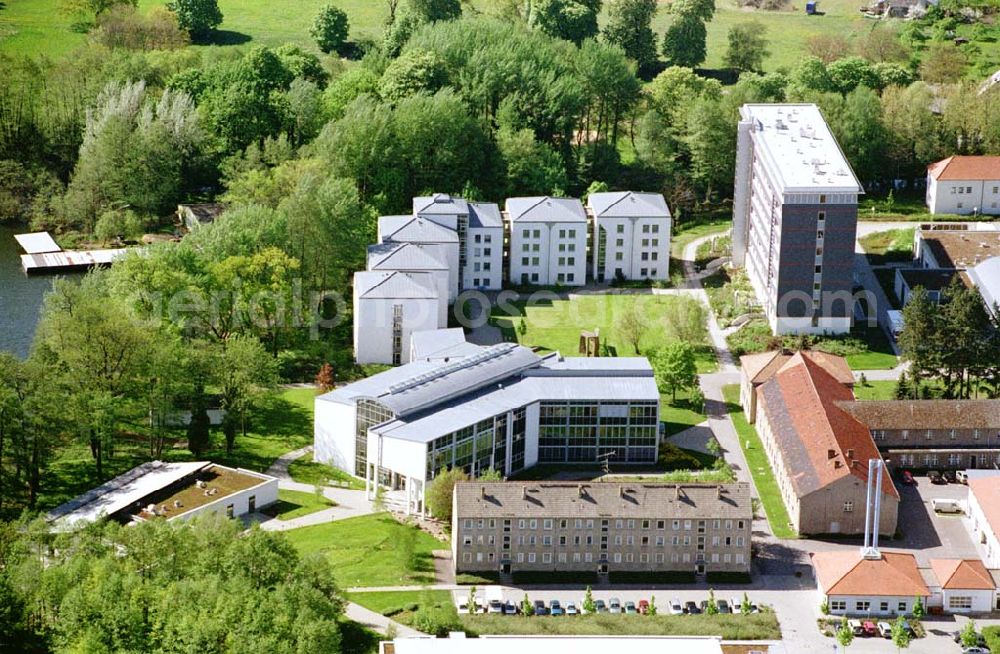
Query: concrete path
column 279, row 468
column 377, row 621
column 692, row 281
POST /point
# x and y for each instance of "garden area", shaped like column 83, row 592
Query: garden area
column 424, row 610
column 371, row 550
column 624, row 320
column 306, row 471
column 891, row 246
column 295, row 504
column 759, row 465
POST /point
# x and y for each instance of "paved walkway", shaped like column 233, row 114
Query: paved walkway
column 377, row 621
column 692, row 281
column 279, row 468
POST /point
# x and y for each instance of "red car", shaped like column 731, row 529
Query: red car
column 869, row 628
column 643, row 607
column 908, row 478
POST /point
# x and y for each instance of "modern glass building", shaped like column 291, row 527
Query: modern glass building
column 500, row 408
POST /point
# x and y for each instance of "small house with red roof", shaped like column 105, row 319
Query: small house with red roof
column 964, row 185
column 883, row 585
column 962, row 586
column 819, row 452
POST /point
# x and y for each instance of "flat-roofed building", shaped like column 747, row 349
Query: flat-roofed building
column 607, row 527
column 501, row 407
column 795, row 210
column 169, row 491
column 964, row 185
column 819, row 451
column 956, row 246
column 631, row 235
column 548, row 241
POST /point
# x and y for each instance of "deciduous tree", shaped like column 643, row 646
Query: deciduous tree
column 329, row 28
column 747, row 47
column 675, row 367
column 439, row 496
column 630, row 28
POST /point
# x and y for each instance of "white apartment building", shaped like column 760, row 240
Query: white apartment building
column 430, row 258
column 795, row 218
column 964, row 185
column 501, row 407
column 422, row 231
column 631, row 235
column 479, row 228
column 388, row 307
column 548, row 241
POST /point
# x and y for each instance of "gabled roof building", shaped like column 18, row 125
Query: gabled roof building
column 548, row 241
column 964, row 185
column 631, row 236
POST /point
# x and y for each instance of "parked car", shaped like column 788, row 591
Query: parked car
column 643, row 607
column 510, row 608
column 555, row 608
column 630, row 608
column 884, row 629
column 540, row 608
column 462, row 604
column 495, row 606
column 600, row 606
column 869, row 628
column 691, row 608
column 935, row 477
column 976, row 650
column 946, row 505
column 908, row 478
column 571, row 609
column 676, row 608
column 856, row 627
column 962, row 477
column 949, row 476
column 723, row 606
column 614, row 605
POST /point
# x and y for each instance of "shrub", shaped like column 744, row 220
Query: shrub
column 124, row 27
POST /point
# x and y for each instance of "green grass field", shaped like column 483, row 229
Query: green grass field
column 307, row 471
column 889, row 246
column 295, row 504
column 401, row 606
column 372, row 550
column 556, row 324
column 876, row 390
column 759, row 626
column 679, row 415
column 760, row 467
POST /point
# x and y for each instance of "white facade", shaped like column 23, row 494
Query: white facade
column 983, row 531
column 548, row 241
column 407, row 229
column 484, row 270
column 866, row 605
column 963, row 197
column 479, row 230
column 388, row 308
column 631, row 236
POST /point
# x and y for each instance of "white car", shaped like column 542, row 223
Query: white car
column 614, row 605
column 884, row 629
column 676, row 608
column 496, row 606
column 462, row 604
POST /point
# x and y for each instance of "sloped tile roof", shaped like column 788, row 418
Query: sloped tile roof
column 962, row 574
column 973, row 168
column 848, row 573
column 925, row 414
column 406, row 256
column 761, row 367
column 628, row 204
column 395, row 285
column 800, row 404
column 546, row 209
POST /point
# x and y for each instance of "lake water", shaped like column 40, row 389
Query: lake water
column 20, row 296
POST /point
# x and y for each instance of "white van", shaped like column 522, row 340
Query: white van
column 961, row 477
column 942, row 505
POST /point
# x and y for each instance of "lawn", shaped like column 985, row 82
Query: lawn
column 371, row 550
column 699, row 226
column 307, row 471
column 401, row 606
column 864, row 348
column 876, row 390
column 759, row 626
column 295, row 504
column 680, row 415
column 760, row 466
column 890, row 246
column 553, row 324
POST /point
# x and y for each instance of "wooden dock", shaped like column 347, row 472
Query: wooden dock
column 44, row 256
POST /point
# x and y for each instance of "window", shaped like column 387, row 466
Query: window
column 960, row 205
column 229, row 510
column 862, row 606
column 620, row 228
column 968, row 189
column 547, row 557
column 525, row 233
column 645, row 229
column 537, row 233
column 995, row 189
column 656, row 229
column 902, row 608
column 883, row 607
column 848, row 507
column 620, row 242
column 572, row 233
column 547, row 523
column 838, row 605
column 960, row 602
column 525, row 261
column 953, row 190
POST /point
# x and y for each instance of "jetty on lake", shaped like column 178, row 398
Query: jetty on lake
column 43, row 255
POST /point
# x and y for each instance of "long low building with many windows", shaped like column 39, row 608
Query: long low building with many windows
column 501, row 407
column 603, row 527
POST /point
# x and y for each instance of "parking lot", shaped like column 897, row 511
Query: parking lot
column 930, row 535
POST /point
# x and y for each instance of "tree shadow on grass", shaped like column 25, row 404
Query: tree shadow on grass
column 355, row 638
column 225, row 37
